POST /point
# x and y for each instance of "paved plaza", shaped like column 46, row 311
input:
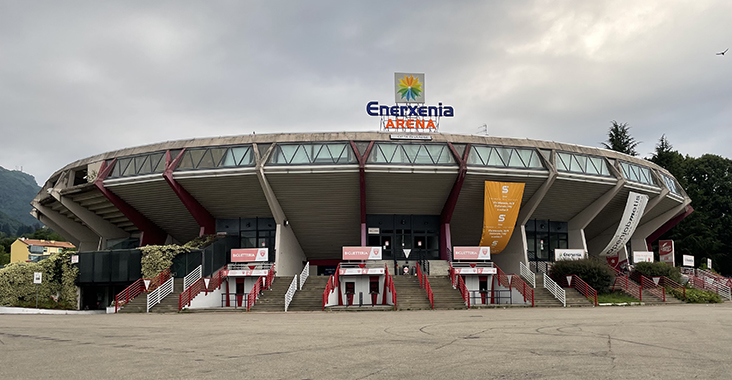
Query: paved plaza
column 663, row 342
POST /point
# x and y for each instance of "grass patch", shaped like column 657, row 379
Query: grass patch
column 615, row 297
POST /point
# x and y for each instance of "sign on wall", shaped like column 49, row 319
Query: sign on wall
column 709, row 264
column 688, row 260
column 502, row 201
column 642, row 257
column 477, row 270
column 361, row 253
column 361, row 271
column 569, row 254
column 249, row 254
column 37, row 277
column 634, row 207
column 409, row 87
column 471, row 253
column 666, row 252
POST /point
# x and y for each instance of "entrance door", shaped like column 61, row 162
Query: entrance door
column 239, row 291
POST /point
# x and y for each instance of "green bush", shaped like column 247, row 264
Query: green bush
column 157, row 258
column 702, row 296
column 658, row 268
column 594, row 272
column 59, row 281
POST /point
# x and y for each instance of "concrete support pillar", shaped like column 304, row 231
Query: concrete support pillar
column 55, row 227
column 86, row 238
column 206, row 221
column 576, row 226
column 289, row 258
column 449, row 208
column 638, row 240
column 96, row 223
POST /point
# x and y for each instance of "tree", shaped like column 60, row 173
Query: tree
column 670, row 159
column 620, row 140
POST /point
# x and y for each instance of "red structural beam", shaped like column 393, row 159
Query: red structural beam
column 668, row 225
column 362, row 185
column 150, row 232
column 451, row 202
column 205, row 220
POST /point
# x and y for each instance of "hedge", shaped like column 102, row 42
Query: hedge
column 658, row 268
column 58, row 287
column 594, row 272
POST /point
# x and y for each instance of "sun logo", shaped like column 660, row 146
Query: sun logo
column 410, row 88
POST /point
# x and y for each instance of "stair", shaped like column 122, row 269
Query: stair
column 410, row 296
column 650, row 299
column 273, row 299
column 577, row 299
column 169, row 304
column 542, row 296
column 439, row 268
column 136, row 305
column 310, row 298
column 445, row 297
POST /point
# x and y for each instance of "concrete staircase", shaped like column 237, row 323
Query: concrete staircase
column 542, row 296
column 577, row 299
column 273, row 299
column 410, row 296
column 168, row 305
column 136, row 305
column 439, row 268
column 445, row 296
column 310, row 298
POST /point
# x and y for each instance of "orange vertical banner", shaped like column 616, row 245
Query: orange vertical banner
column 502, row 203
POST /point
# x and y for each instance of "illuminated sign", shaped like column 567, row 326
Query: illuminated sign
column 409, row 114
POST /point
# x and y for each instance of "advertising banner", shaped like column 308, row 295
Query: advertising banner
column 569, row 254
column 709, row 264
column 501, row 207
column 471, row 253
column 666, row 251
column 242, row 255
column 688, row 261
column 360, row 271
column 245, row 273
column 642, row 257
column 361, row 253
column 476, row 270
column 634, row 208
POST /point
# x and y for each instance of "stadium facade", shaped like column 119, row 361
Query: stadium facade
column 306, row 195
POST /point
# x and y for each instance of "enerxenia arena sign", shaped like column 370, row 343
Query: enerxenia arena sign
column 409, row 114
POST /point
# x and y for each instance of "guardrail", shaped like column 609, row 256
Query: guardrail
column 189, row 293
column 463, row 290
column 157, row 295
column 623, row 283
column 589, row 292
column 525, row 290
column 555, row 289
column 527, row 274
column 304, row 274
column 390, row 285
column 270, row 277
column 701, row 283
column 424, row 283
column 649, row 285
column 726, row 281
column 290, row 293
column 130, row 292
column 451, row 272
column 160, row 279
column 254, row 293
column 503, row 279
column 192, row 277
column 669, row 283
column 329, row 289
column 540, row 266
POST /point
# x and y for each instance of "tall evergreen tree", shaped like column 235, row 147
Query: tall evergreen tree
column 620, row 140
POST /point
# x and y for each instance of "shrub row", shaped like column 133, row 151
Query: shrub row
column 594, row 272
column 658, row 268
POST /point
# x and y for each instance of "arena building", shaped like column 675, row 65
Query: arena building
column 305, row 196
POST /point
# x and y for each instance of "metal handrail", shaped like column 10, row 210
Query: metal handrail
column 523, row 288
column 192, row 277
column 189, row 293
column 629, row 287
column 304, row 274
column 130, row 292
column 270, row 277
column 157, row 295
column 290, row 293
column 527, row 274
column 649, row 285
column 158, row 280
column 463, row 290
column 700, row 283
column 667, row 282
column 555, row 289
column 327, row 291
column 254, row 293
column 424, row 283
column 586, row 290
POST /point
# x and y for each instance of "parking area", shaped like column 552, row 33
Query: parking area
column 664, row 342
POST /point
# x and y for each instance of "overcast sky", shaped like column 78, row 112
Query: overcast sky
column 77, row 79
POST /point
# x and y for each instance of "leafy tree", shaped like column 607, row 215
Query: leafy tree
column 620, row 140
column 670, row 159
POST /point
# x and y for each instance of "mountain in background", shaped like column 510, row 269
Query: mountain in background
column 17, row 190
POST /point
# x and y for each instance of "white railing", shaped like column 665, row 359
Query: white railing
column 304, row 274
column 157, row 295
column 556, row 290
column 290, row 293
column 192, row 277
column 527, row 274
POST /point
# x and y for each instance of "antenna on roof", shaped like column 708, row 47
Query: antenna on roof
column 483, row 130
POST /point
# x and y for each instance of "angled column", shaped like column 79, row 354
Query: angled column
column 362, row 185
column 449, row 208
column 55, row 227
column 96, row 223
column 289, row 256
column 205, row 220
column 150, row 232
column 668, row 225
column 87, row 240
column 645, row 230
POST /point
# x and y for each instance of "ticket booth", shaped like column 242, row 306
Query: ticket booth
column 476, row 271
column 361, row 280
column 248, row 268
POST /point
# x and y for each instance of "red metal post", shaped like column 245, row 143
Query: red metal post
column 449, row 208
column 205, row 220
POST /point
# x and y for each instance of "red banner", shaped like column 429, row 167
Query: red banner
column 361, row 253
column 666, row 251
column 471, row 253
column 476, row 270
column 249, row 254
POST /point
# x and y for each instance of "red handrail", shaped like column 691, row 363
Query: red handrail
column 187, row 295
column 502, row 278
column 270, row 277
column 327, row 291
column 463, row 290
column 649, row 285
column 390, row 284
column 581, row 286
column 629, row 287
column 451, row 271
column 519, row 284
column 129, row 293
column 254, row 293
column 667, row 282
column 158, row 280
column 424, row 283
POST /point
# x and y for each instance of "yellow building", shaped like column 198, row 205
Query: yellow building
column 35, row 250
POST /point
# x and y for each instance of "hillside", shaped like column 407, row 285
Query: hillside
column 17, row 190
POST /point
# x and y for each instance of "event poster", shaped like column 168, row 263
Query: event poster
column 501, row 207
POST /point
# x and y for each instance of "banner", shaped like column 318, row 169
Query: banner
column 476, row 270
column 501, row 206
column 666, row 252
column 709, row 264
column 632, row 215
column 361, row 253
column 249, row 254
column 361, row 271
column 688, row 261
column 245, row 273
column 642, row 257
column 471, row 253
column 569, row 254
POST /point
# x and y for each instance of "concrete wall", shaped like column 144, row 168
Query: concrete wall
column 290, row 257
